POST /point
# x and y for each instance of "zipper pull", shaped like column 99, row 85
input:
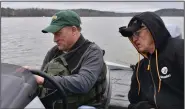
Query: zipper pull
column 148, row 68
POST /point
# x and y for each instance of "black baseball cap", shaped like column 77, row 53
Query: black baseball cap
column 127, row 31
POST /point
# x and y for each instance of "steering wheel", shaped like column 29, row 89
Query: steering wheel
column 60, row 91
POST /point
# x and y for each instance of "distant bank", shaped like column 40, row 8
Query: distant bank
column 37, row 12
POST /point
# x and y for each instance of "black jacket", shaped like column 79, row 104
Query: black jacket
column 169, row 62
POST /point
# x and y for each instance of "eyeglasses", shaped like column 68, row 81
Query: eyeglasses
column 137, row 33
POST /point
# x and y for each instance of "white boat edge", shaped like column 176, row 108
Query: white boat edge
column 116, row 66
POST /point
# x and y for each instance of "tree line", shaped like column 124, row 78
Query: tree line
column 40, row 12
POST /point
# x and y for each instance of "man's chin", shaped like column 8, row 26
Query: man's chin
column 60, row 48
column 141, row 50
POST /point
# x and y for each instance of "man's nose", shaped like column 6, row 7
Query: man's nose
column 55, row 38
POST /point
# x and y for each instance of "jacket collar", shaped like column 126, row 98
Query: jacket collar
column 79, row 42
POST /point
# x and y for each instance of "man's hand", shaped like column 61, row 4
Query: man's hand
column 39, row 79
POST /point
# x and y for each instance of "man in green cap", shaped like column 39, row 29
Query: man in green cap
column 75, row 63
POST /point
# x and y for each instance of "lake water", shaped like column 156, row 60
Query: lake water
column 23, row 43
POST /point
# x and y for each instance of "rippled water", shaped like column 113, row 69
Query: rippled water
column 24, row 44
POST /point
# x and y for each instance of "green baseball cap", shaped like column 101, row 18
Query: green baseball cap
column 61, row 19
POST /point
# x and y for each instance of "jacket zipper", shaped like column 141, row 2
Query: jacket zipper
column 153, row 84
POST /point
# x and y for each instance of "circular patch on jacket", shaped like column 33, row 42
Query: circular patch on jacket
column 164, row 70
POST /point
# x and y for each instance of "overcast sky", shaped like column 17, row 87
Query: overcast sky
column 103, row 6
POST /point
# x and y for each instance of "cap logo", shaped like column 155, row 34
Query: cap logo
column 54, row 17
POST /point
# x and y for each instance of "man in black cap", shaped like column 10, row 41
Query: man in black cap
column 158, row 79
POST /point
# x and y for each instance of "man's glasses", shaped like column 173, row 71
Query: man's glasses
column 137, row 33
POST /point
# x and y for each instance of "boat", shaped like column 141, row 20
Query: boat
column 18, row 88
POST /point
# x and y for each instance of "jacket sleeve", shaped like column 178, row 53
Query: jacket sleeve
column 133, row 96
column 89, row 72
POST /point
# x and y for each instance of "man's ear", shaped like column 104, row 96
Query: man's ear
column 74, row 28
